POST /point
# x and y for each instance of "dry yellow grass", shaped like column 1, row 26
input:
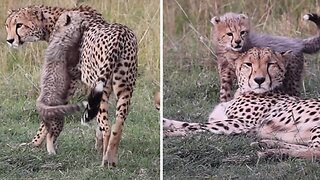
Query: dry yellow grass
column 142, row 16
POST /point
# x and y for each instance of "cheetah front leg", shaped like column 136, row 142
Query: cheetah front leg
column 74, row 84
column 226, row 77
column 40, row 136
column 75, row 77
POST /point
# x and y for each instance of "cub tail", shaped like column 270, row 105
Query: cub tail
column 59, row 110
column 312, row 45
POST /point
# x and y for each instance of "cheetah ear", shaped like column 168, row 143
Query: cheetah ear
column 68, row 20
column 215, row 20
column 10, row 11
column 37, row 12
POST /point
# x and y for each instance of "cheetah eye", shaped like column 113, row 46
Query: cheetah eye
column 19, row 25
column 243, row 32
column 229, row 34
column 248, row 64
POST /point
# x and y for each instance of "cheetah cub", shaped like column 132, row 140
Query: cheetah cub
column 289, row 125
column 232, row 35
column 63, row 49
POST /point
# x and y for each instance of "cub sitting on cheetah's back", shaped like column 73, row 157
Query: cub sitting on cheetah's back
column 232, row 35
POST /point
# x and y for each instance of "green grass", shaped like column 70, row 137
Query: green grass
column 191, row 90
column 139, row 151
column 76, row 158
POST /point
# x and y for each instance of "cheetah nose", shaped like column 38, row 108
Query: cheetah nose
column 10, row 41
column 237, row 41
column 259, row 80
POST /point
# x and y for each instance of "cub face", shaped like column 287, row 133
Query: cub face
column 231, row 31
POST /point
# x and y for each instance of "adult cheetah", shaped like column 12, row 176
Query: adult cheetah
column 108, row 63
column 36, row 23
column 285, row 121
column 233, row 35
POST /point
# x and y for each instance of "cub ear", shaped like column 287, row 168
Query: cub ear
column 215, row 20
column 243, row 16
column 286, row 53
column 285, row 57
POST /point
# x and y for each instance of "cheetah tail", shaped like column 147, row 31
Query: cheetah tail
column 312, row 45
column 93, row 105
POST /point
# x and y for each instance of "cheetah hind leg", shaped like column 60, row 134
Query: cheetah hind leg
column 54, row 131
column 123, row 102
column 274, row 147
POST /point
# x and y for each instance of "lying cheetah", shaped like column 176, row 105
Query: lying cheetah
column 232, row 35
column 108, row 62
column 55, row 79
column 288, row 122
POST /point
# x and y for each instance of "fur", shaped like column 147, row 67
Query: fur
column 233, row 36
column 55, row 80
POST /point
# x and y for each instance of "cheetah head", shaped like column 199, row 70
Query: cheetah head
column 24, row 25
column 231, row 31
column 261, row 70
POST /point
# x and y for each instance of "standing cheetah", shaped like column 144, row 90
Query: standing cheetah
column 108, row 63
column 285, row 121
column 232, row 35
column 36, row 23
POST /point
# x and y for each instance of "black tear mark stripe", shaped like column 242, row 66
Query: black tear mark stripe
column 270, row 85
column 250, row 77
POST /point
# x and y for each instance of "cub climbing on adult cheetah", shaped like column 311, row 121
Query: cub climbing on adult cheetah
column 36, row 23
column 55, row 78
